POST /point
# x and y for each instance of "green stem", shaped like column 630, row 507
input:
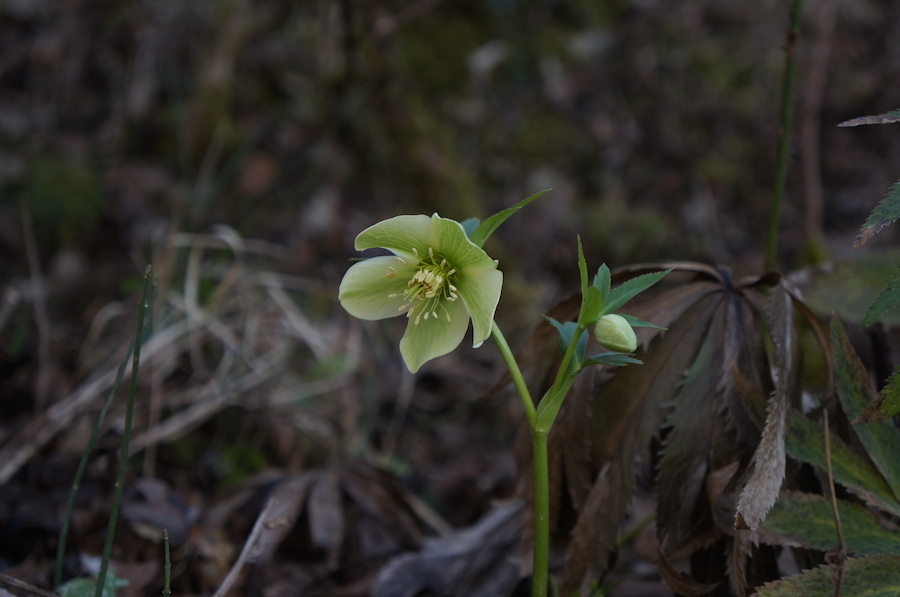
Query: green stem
column 552, row 401
column 516, row 374
column 787, row 118
column 126, row 435
column 540, row 421
column 82, row 466
column 167, row 569
column 541, row 546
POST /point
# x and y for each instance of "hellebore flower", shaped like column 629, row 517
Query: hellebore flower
column 436, row 276
column 613, row 332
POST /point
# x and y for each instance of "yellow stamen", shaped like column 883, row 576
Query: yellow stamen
column 431, row 282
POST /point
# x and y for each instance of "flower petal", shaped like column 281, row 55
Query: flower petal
column 365, row 288
column 433, row 337
column 400, row 235
column 479, row 288
column 455, row 245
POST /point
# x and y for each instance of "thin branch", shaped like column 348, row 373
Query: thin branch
column 838, row 559
column 787, row 119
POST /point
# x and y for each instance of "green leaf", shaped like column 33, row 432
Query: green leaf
column 566, row 331
column 602, row 281
column 875, row 576
column 640, row 323
column 886, row 212
column 490, row 225
column 809, row 518
column 886, row 405
column 880, row 438
column 582, row 268
column 887, row 299
column 630, row 288
column 591, row 307
column 617, row 359
column 86, row 587
column 469, row 225
column 805, row 442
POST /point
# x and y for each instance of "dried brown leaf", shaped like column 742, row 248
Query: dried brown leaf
column 764, row 484
column 681, row 584
column 477, row 561
column 887, row 118
column 273, row 523
column 693, row 427
column 325, row 509
column 376, row 495
column 592, row 542
column 624, row 417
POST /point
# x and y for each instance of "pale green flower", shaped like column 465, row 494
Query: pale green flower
column 613, row 332
column 437, row 277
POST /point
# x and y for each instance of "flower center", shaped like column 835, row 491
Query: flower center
column 430, row 283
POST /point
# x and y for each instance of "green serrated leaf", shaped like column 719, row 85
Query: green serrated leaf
column 602, row 281
column 855, row 391
column 888, row 299
column 886, row 212
column 874, row 576
column 890, row 397
column 469, row 225
column 886, row 405
column 640, row 323
column 617, row 359
column 809, row 518
column 86, row 587
column 623, row 293
column 490, row 225
column 805, row 442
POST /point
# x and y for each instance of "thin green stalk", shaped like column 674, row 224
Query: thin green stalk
column 787, row 119
column 552, row 401
column 540, row 572
column 126, row 434
column 82, row 465
column 167, row 571
column 516, row 374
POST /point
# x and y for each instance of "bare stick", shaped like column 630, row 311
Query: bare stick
column 838, row 559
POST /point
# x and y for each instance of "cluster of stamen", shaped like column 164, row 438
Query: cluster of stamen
column 427, row 287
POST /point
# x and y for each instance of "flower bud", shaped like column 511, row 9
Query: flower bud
column 613, row 332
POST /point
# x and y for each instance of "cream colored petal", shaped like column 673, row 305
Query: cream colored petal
column 400, row 235
column 479, row 288
column 366, row 288
column 435, row 336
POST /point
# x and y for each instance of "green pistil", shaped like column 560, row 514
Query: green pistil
column 431, row 283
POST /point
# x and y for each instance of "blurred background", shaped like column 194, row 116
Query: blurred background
column 239, row 147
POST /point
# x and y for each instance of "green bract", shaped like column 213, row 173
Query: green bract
column 437, row 277
column 614, row 333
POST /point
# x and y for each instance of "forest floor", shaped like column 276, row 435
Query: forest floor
column 237, row 148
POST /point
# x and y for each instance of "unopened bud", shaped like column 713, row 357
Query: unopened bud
column 613, row 332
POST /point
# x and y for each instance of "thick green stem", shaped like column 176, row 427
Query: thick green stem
column 541, row 563
column 540, row 421
column 516, row 374
column 787, row 119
